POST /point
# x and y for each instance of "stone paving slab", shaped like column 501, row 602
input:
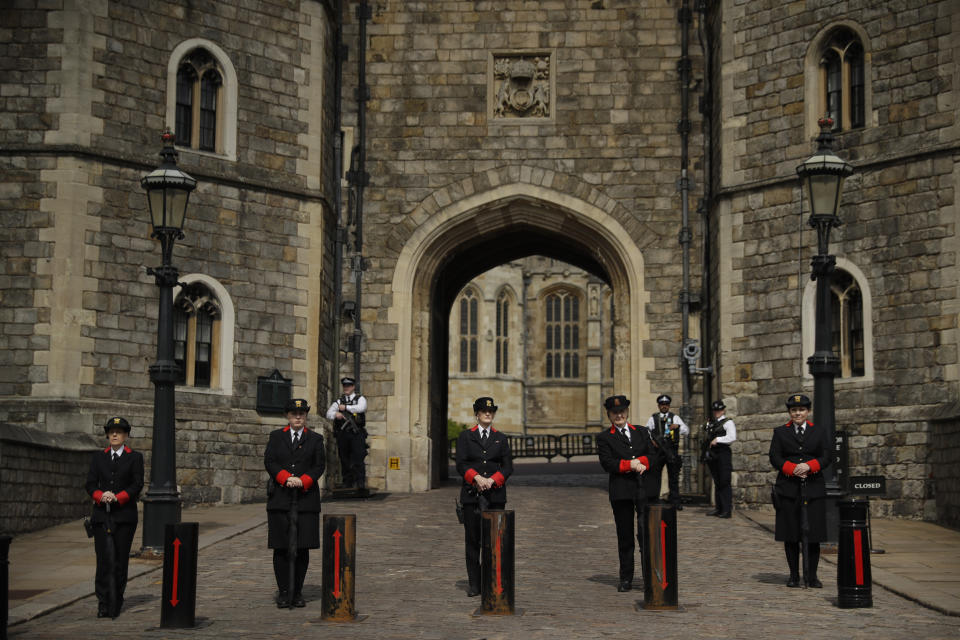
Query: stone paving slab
column 411, row 582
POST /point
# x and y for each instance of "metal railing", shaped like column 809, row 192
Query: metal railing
column 546, row 446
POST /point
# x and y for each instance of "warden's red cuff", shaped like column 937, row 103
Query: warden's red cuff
column 307, row 482
column 625, row 466
column 788, row 468
column 498, row 479
column 814, row 465
column 282, row 476
column 97, row 495
column 123, row 498
column 644, row 461
column 470, row 475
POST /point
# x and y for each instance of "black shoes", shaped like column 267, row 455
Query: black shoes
column 283, row 600
column 473, row 592
column 298, row 601
column 813, row 583
column 713, row 513
column 624, row 586
column 103, row 611
column 723, row 515
column 793, row 582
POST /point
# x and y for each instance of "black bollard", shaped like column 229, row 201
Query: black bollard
column 660, row 557
column 178, row 606
column 853, row 554
column 496, row 563
column 339, row 567
column 5, row 579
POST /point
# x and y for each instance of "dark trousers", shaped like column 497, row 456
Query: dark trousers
column 625, row 513
column 122, row 541
column 673, row 480
column 792, row 550
column 472, row 523
column 721, row 470
column 281, row 570
column 352, row 449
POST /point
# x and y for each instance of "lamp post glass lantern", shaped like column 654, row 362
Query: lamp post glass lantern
column 822, row 177
column 168, row 190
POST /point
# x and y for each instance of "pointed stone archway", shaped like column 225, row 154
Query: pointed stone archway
column 462, row 231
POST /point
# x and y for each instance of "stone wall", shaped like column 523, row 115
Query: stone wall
column 899, row 232
column 42, row 478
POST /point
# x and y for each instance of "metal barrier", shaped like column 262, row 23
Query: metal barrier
column 578, row 444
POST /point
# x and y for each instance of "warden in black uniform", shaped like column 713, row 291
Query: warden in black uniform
column 624, row 452
column 484, row 462
column 116, row 479
column 800, row 452
column 295, row 460
column 349, row 415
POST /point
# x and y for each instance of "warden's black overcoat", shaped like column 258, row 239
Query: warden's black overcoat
column 307, row 462
column 615, row 454
column 787, row 450
column 491, row 461
column 125, row 480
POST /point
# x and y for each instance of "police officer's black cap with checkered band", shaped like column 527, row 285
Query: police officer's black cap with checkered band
column 798, row 400
column 484, row 404
column 116, row 423
column 718, row 405
column 296, row 404
column 616, row 403
column 663, row 399
column 347, row 381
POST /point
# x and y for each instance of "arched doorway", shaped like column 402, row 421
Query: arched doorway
column 459, row 241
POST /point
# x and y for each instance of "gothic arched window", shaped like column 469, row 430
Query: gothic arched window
column 562, row 335
column 199, row 83
column 503, row 333
column 848, row 333
column 469, row 329
column 843, row 80
column 196, row 336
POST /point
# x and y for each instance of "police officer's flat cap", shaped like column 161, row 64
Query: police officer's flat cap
column 798, row 400
column 347, row 381
column 296, row 404
column 116, row 423
column 718, row 405
column 484, row 404
column 616, row 403
column 663, row 399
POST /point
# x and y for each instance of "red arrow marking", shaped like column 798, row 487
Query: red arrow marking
column 176, row 571
column 336, row 563
column 663, row 552
column 496, row 552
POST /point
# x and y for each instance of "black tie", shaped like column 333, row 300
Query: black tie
column 483, row 437
column 800, row 433
column 116, row 457
column 296, row 440
column 623, row 432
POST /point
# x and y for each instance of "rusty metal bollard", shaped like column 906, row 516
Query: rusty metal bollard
column 496, row 563
column 660, row 557
column 339, row 567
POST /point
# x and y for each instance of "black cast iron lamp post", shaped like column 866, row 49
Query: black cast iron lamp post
column 168, row 189
column 822, row 176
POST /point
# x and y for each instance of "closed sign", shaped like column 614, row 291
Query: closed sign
column 868, row 485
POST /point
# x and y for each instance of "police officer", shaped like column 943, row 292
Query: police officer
column 624, row 453
column 349, row 415
column 667, row 427
column 115, row 479
column 294, row 458
column 484, row 462
column 800, row 452
column 720, row 461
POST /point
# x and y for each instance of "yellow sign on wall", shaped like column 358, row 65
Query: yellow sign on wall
column 395, row 462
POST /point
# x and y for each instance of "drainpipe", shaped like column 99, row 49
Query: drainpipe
column 340, row 56
column 358, row 178
column 706, row 202
column 685, row 17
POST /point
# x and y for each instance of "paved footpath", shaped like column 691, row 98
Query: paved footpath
column 411, row 580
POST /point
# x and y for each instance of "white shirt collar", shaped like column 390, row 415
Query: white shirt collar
column 117, row 452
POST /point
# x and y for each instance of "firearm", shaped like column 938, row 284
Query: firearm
column 114, row 600
column 349, row 419
column 711, row 430
column 671, row 455
column 292, row 545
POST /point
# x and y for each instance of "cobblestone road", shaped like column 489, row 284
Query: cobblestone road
column 411, row 582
